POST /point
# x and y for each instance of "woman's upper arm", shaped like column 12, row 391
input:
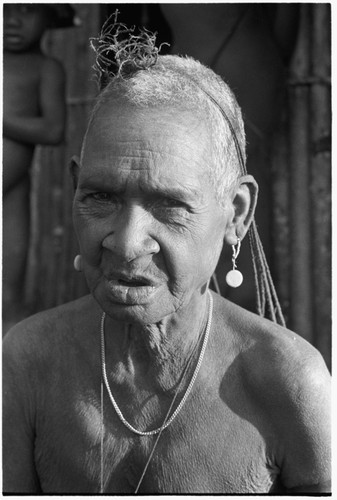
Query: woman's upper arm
column 19, row 474
column 292, row 387
column 306, row 463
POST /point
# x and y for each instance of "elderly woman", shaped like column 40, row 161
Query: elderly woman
column 153, row 383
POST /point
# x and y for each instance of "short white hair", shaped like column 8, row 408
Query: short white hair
column 185, row 84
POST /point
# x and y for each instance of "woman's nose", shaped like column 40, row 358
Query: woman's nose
column 132, row 235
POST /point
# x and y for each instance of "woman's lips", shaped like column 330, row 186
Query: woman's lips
column 130, row 292
column 132, row 282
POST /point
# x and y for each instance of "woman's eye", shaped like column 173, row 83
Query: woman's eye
column 171, row 210
column 101, row 196
column 171, row 203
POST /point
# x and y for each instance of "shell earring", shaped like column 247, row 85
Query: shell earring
column 234, row 278
column 78, row 265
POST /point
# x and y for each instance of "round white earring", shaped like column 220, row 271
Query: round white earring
column 234, row 278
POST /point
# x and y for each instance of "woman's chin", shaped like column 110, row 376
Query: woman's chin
column 143, row 308
column 136, row 314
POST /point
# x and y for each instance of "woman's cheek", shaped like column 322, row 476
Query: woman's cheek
column 90, row 240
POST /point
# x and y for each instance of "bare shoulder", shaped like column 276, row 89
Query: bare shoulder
column 41, row 333
column 270, row 353
column 288, row 384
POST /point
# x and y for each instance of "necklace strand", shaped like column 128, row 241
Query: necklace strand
column 102, row 442
column 188, row 390
column 187, row 367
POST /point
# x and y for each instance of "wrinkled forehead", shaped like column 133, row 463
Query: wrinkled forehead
column 163, row 130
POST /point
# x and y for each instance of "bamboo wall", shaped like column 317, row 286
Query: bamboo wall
column 301, row 163
column 301, row 166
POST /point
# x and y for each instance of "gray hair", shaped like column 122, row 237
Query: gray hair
column 185, row 84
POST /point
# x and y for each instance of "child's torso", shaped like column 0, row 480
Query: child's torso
column 22, row 75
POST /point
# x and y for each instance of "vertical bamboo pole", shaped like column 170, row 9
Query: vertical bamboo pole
column 81, row 91
column 301, row 265
column 51, row 224
column 320, row 185
column 31, row 286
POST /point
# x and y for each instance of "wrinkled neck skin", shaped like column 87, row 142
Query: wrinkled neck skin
column 157, row 353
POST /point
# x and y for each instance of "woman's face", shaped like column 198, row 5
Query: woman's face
column 149, row 227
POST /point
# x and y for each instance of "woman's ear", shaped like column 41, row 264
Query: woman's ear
column 74, row 168
column 244, row 203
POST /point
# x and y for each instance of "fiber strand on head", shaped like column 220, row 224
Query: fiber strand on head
column 119, row 51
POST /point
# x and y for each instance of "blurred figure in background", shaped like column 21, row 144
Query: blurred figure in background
column 34, row 113
column 249, row 45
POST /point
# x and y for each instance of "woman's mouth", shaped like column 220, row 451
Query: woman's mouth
column 130, row 291
column 132, row 283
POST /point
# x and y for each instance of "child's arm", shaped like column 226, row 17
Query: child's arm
column 48, row 128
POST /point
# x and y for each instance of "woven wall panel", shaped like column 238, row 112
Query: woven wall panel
column 302, row 185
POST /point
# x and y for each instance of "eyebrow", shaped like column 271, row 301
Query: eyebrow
column 176, row 193
column 188, row 193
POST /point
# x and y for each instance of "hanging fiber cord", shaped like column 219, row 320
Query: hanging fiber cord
column 267, row 301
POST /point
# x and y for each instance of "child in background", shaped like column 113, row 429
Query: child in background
column 33, row 113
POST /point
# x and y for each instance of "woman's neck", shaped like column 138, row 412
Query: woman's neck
column 157, row 353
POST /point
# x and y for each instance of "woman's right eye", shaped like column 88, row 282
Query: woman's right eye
column 102, row 196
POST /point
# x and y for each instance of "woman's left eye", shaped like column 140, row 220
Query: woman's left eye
column 171, row 210
column 171, row 203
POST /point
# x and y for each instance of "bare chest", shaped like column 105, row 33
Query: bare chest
column 209, row 448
